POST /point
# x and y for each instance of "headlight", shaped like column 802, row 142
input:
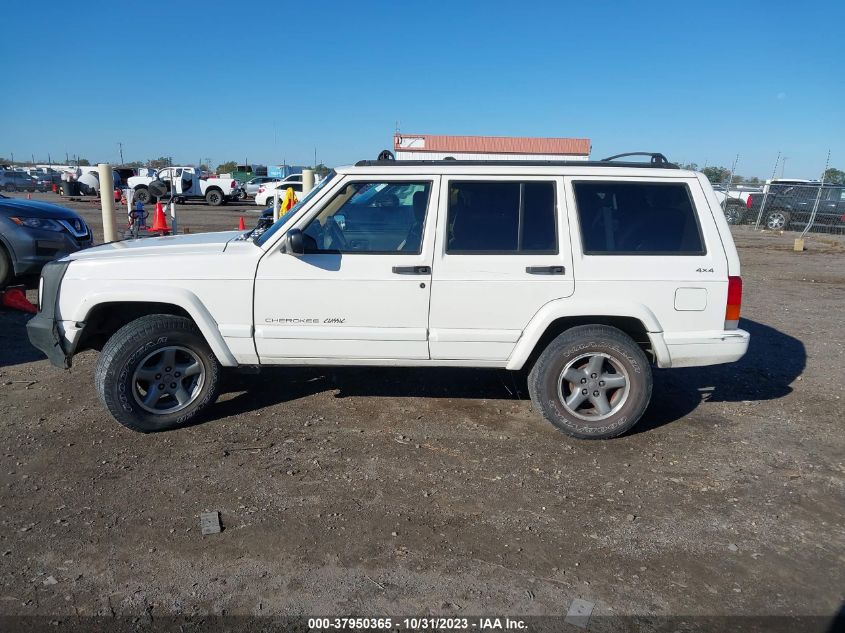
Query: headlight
column 38, row 223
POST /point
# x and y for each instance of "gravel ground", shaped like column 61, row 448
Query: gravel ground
column 439, row 491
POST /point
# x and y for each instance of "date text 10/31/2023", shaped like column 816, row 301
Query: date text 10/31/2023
column 416, row 624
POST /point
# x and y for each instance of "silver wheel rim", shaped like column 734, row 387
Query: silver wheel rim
column 776, row 221
column 168, row 380
column 593, row 386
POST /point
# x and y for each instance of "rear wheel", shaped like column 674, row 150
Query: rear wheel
column 157, row 373
column 734, row 214
column 777, row 220
column 591, row 382
column 10, row 187
column 214, row 197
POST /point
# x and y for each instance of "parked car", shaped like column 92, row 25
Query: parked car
column 738, row 201
column 251, row 186
column 33, row 233
column 584, row 274
column 791, row 205
column 188, row 186
column 16, row 181
column 266, row 192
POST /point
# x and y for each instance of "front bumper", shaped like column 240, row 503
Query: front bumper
column 43, row 329
column 34, row 248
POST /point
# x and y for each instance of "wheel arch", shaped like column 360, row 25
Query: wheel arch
column 101, row 315
column 635, row 320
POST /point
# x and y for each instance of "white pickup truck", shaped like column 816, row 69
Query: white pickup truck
column 188, row 186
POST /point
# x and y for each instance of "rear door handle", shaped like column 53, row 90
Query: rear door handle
column 545, row 270
column 412, row 270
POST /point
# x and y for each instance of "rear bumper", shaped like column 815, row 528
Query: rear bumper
column 695, row 349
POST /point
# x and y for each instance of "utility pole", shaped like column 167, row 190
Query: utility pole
column 315, row 157
column 121, row 152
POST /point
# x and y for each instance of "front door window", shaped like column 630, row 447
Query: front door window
column 371, row 217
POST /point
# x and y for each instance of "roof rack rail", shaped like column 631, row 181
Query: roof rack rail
column 657, row 161
column 656, row 157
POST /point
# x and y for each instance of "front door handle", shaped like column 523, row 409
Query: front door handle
column 545, row 270
column 412, row 270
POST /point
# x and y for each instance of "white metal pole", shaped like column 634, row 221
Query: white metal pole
column 107, row 201
column 307, row 180
column 275, row 205
column 173, row 216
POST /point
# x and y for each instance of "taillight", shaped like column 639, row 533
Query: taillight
column 233, row 184
column 261, row 190
column 748, row 201
column 734, row 303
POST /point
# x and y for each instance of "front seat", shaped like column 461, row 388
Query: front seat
column 413, row 240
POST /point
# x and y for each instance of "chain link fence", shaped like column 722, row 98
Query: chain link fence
column 784, row 205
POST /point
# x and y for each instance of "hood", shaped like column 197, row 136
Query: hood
column 35, row 209
column 195, row 243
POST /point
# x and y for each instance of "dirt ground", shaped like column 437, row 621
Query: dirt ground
column 407, row 491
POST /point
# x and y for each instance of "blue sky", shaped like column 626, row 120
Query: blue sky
column 698, row 81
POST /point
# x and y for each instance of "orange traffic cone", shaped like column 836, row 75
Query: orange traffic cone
column 159, row 221
column 16, row 298
column 29, row 196
column 241, row 225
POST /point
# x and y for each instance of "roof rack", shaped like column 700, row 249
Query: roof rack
column 657, row 161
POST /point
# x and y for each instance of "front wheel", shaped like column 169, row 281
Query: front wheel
column 591, row 382
column 157, row 373
column 142, row 195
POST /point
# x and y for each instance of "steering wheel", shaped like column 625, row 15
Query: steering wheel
column 336, row 235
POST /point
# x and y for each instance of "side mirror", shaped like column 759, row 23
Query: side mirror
column 295, row 242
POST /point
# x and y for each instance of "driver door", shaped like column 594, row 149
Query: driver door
column 361, row 290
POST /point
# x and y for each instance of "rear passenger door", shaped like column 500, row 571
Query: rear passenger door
column 502, row 253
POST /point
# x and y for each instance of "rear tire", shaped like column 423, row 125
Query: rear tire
column 777, row 220
column 157, row 373
column 591, row 382
column 214, row 197
column 734, row 214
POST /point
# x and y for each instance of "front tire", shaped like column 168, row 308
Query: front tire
column 157, row 373
column 591, row 382
column 6, row 271
column 142, row 195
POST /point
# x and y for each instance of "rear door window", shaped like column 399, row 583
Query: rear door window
column 637, row 218
column 507, row 217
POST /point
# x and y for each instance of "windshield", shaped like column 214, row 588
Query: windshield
column 281, row 221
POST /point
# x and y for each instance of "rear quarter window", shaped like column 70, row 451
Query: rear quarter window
column 637, row 218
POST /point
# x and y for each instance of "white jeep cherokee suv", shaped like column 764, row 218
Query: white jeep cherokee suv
column 584, row 274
